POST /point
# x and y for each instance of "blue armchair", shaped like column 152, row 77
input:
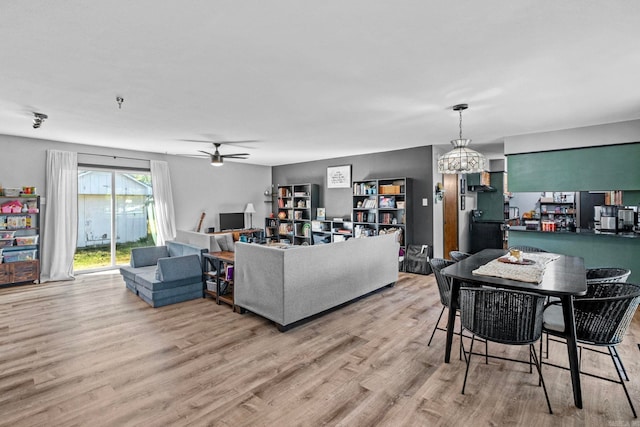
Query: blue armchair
column 163, row 275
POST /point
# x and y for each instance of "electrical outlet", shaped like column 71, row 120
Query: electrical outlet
column 425, row 202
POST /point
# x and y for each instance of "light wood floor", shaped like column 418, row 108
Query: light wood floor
column 89, row 353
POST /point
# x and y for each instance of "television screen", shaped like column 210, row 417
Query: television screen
column 231, row 221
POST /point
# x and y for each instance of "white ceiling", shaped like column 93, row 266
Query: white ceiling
column 314, row 79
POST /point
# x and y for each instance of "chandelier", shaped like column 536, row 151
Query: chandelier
column 461, row 159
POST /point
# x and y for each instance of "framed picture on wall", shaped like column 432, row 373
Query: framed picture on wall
column 339, row 176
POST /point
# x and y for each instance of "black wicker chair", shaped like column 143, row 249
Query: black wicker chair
column 458, row 255
column 444, row 288
column 607, row 275
column 602, row 317
column 527, row 249
column 506, row 317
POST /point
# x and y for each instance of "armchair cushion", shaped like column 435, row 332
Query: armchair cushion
column 143, row 257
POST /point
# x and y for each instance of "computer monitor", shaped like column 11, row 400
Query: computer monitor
column 231, row 221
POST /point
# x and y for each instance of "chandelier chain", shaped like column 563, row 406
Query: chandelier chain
column 460, row 112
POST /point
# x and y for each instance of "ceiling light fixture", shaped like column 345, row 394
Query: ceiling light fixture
column 38, row 119
column 119, row 100
column 461, row 159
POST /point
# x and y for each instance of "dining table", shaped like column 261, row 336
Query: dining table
column 564, row 277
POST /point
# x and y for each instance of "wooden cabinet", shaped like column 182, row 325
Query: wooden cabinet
column 297, row 206
column 19, row 272
column 19, row 239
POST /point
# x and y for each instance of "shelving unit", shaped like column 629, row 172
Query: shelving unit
column 297, row 205
column 327, row 231
column 218, row 272
column 562, row 214
column 20, row 242
column 380, row 206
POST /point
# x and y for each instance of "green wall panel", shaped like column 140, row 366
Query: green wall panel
column 598, row 250
column 612, row 167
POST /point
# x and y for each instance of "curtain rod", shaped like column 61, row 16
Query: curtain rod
column 115, row 157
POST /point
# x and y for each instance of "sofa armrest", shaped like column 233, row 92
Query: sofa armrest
column 178, row 267
column 143, row 257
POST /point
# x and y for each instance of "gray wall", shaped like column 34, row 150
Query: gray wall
column 413, row 163
column 197, row 186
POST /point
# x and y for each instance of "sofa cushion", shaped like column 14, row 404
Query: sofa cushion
column 149, row 281
column 176, row 268
column 143, row 257
column 225, row 241
column 160, row 302
column 179, row 249
column 165, row 293
column 131, row 272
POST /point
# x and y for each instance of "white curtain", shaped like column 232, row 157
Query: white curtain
column 61, row 216
column 163, row 201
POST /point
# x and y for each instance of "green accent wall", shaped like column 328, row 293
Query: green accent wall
column 611, row 167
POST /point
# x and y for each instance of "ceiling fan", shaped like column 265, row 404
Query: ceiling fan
column 217, row 158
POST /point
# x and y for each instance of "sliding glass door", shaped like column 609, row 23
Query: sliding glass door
column 115, row 214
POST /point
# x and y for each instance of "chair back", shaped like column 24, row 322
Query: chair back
column 527, row 249
column 458, row 255
column 607, row 274
column 444, row 283
column 500, row 315
column 603, row 315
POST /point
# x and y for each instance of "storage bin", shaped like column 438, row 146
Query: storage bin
column 23, row 255
column 5, row 243
column 27, row 240
column 389, row 189
column 12, row 192
column 4, row 234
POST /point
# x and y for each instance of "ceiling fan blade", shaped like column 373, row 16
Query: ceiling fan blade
column 235, row 155
column 205, row 152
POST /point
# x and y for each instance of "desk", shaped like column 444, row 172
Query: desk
column 249, row 232
column 217, row 261
column 564, row 277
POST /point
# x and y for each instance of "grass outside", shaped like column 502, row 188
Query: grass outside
column 100, row 256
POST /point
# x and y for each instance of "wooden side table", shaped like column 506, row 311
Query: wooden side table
column 220, row 262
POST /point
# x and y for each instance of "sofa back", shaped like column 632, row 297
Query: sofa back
column 212, row 242
column 179, row 249
column 143, row 257
column 286, row 285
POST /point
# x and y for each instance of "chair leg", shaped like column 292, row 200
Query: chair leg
column 436, row 326
column 466, row 372
column 618, row 362
column 538, row 362
column 614, row 354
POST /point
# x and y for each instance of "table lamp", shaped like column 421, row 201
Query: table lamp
column 250, row 210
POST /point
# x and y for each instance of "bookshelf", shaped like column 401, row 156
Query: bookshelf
column 328, row 231
column 296, row 207
column 380, row 206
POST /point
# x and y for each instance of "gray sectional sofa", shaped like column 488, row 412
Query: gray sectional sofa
column 292, row 284
column 163, row 275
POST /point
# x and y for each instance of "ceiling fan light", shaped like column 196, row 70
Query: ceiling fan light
column 216, row 160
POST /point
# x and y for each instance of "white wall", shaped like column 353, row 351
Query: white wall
column 197, row 186
column 589, row 136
